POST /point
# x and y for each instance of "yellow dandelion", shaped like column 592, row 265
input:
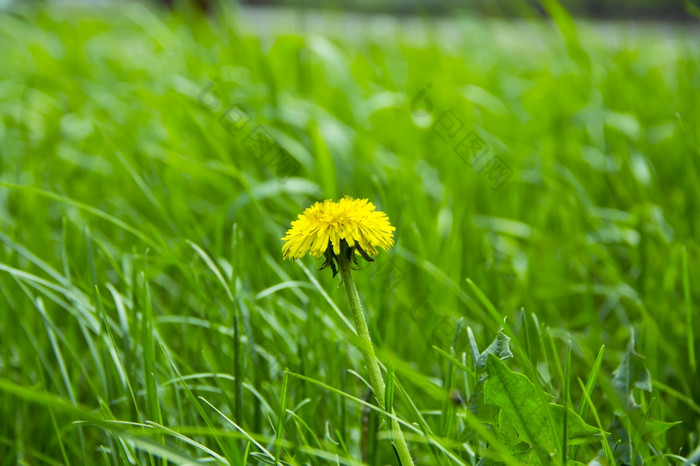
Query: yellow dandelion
column 327, row 228
column 341, row 231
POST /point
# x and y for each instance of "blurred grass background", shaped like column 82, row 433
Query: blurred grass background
column 675, row 10
column 140, row 264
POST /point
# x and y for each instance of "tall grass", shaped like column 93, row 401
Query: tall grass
column 145, row 311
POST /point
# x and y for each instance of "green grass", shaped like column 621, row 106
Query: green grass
column 146, row 313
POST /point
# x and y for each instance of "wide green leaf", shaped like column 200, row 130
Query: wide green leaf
column 528, row 416
column 631, row 373
column 523, row 405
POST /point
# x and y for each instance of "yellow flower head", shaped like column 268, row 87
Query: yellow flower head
column 324, row 227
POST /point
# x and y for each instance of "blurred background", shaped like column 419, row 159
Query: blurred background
column 676, row 10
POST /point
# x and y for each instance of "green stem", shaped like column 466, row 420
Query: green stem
column 375, row 374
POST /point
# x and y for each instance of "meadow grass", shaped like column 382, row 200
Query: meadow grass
column 540, row 303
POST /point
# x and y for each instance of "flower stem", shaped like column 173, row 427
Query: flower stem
column 375, row 374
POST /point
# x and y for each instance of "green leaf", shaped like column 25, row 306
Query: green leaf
column 629, row 374
column 579, row 431
column 619, row 442
column 508, row 434
column 477, row 406
column 525, row 414
column 653, row 428
column 525, row 408
column 499, row 348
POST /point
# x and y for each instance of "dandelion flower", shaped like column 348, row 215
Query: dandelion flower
column 341, row 231
column 327, row 228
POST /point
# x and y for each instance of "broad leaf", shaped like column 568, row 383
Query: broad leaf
column 629, row 374
column 579, row 431
column 499, row 348
column 526, row 409
column 527, row 416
